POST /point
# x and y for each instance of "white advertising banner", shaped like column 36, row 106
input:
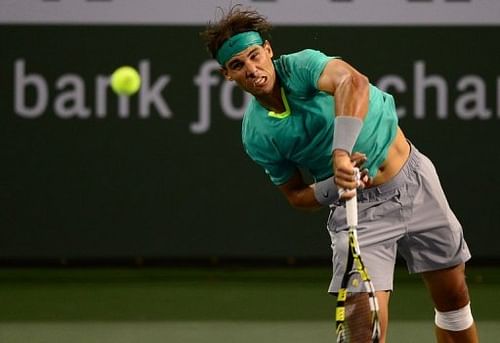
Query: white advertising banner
column 280, row 12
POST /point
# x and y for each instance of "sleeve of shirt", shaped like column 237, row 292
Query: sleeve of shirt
column 306, row 68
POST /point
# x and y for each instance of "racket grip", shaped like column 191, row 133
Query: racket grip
column 351, row 206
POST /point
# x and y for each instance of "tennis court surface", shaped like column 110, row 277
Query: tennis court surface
column 192, row 305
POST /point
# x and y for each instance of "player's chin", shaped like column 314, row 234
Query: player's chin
column 258, row 91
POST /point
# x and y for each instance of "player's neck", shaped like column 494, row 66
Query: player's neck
column 273, row 101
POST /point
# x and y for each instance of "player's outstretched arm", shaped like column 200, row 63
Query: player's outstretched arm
column 299, row 194
column 351, row 91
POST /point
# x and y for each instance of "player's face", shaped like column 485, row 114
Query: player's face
column 253, row 70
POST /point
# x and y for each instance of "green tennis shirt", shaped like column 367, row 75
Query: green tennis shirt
column 302, row 136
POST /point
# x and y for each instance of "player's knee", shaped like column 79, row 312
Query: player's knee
column 455, row 320
column 454, row 297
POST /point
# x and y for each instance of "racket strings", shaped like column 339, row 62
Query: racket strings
column 360, row 309
column 359, row 318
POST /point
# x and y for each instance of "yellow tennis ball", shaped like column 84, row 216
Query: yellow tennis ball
column 125, row 81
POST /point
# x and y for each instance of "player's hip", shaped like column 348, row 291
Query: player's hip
column 393, row 205
column 397, row 155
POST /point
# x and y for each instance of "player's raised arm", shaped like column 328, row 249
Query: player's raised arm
column 350, row 89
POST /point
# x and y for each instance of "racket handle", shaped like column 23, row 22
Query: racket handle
column 351, row 206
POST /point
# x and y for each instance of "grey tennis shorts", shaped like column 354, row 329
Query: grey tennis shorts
column 410, row 215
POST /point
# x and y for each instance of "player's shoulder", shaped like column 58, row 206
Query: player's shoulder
column 299, row 57
column 251, row 119
column 304, row 53
column 299, row 71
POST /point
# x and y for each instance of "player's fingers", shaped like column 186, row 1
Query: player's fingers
column 347, row 194
column 364, row 179
column 347, row 172
column 358, row 159
column 346, row 181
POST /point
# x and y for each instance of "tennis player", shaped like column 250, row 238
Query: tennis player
column 312, row 111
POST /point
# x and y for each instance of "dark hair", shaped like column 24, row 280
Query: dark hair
column 236, row 20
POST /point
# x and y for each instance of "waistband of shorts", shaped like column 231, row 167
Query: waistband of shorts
column 396, row 182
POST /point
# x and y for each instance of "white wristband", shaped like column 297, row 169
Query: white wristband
column 326, row 192
column 346, row 132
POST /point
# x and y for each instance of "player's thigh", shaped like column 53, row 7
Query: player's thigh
column 447, row 287
column 378, row 262
column 380, row 226
column 434, row 238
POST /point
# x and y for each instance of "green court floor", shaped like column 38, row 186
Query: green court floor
column 210, row 332
column 188, row 305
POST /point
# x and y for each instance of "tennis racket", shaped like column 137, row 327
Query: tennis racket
column 356, row 314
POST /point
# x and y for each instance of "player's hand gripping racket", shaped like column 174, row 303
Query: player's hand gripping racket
column 356, row 314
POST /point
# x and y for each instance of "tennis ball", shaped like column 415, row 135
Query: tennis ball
column 125, row 81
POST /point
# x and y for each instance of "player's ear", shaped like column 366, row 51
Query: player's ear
column 224, row 73
column 267, row 46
